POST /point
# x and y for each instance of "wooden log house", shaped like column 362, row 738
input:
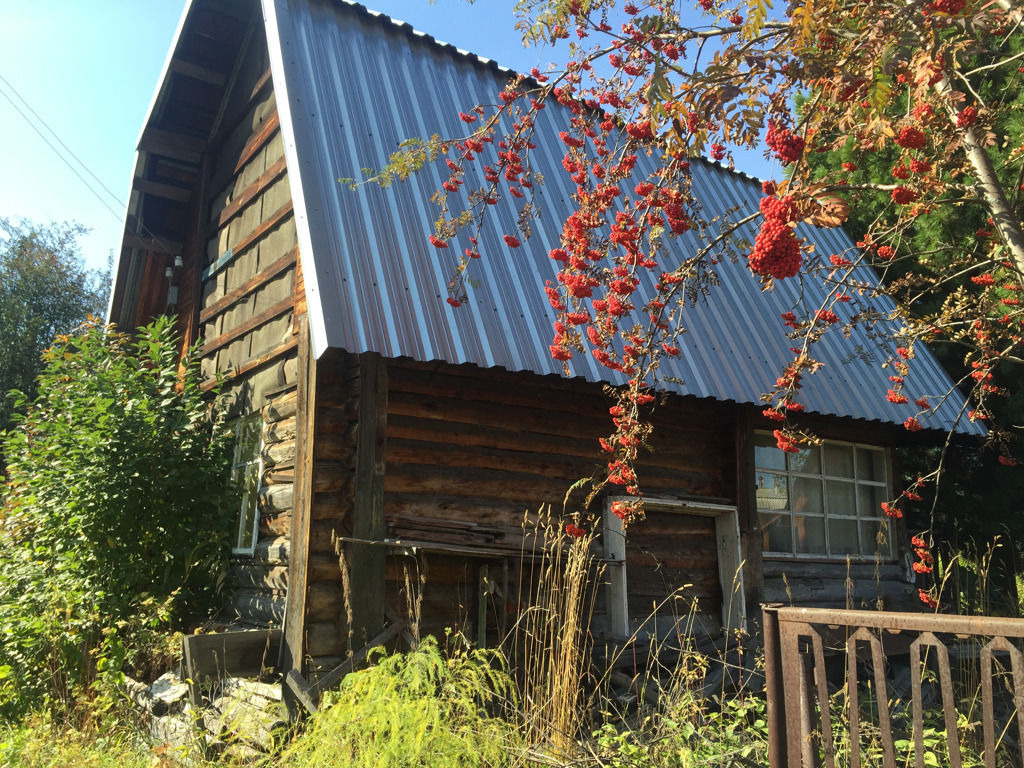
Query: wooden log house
column 376, row 422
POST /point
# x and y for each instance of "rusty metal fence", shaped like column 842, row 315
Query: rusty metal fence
column 803, row 645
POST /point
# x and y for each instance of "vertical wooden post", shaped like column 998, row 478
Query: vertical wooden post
column 298, row 559
column 366, row 561
column 746, row 505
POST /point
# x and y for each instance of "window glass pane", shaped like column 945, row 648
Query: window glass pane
column 807, row 461
column 767, row 454
column 248, row 440
column 870, row 498
column 247, row 523
column 807, row 497
column 775, row 529
column 842, row 537
column 246, row 472
column 772, row 491
column 810, row 534
column 839, row 460
column 875, row 538
column 871, row 464
column 842, row 498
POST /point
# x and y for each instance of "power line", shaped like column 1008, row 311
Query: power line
column 116, row 214
column 54, row 134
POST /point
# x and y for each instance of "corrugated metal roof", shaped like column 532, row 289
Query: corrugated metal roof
column 352, row 85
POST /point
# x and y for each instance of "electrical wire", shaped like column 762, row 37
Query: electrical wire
column 117, row 215
column 74, row 170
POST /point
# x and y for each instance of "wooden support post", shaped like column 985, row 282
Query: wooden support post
column 746, row 504
column 298, row 560
column 366, row 561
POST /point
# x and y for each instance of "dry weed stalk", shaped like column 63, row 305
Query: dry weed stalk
column 552, row 638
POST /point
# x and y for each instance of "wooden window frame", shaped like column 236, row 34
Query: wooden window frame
column 250, row 496
column 860, row 517
column 727, row 545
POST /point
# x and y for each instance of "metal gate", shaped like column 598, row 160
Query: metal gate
column 802, row 643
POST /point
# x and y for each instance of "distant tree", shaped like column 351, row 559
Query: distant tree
column 45, row 290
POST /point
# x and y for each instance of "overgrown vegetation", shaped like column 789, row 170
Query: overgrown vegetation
column 423, row 708
column 113, row 521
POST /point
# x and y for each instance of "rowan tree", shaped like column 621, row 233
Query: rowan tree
column 923, row 82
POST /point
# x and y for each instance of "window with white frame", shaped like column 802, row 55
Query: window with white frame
column 825, row 501
column 246, row 470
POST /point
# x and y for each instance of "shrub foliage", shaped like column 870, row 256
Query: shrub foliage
column 114, row 518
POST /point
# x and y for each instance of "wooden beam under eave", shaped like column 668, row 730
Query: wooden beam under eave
column 197, row 72
column 166, row 191
column 188, row 149
column 152, row 244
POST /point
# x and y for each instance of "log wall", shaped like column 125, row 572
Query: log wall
column 857, row 585
column 248, row 288
column 470, row 451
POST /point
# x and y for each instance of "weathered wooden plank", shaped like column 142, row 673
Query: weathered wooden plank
column 247, row 195
column 258, row 606
column 279, row 431
column 153, row 244
column 279, row 455
column 272, row 551
column 275, row 476
column 197, row 72
column 332, row 478
column 257, row 232
column 332, row 506
column 242, row 654
column 513, row 487
column 276, row 498
column 276, row 524
column 278, row 309
column 337, row 419
column 834, row 592
column 367, row 561
column 323, row 568
column 174, row 145
column 250, row 285
column 265, row 79
column 254, row 362
column 281, row 407
column 258, row 140
column 802, row 569
column 338, row 448
column 250, row 576
column 323, row 638
column 298, row 566
column 324, row 601
column 158, row 189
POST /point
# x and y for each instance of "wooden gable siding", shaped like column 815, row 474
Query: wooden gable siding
column 248, row 291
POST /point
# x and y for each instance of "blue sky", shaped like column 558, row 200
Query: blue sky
column 89, row 69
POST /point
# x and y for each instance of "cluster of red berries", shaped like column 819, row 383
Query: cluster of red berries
column 904, row 195
column 786, row 145
column 925, row 560
column 910, row 137
column 776, row 250
column 967, row 117
column 951, row 7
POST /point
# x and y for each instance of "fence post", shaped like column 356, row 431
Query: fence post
column 775, row 688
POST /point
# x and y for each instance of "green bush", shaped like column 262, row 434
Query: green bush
column 114, row 518
column 418, row 709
